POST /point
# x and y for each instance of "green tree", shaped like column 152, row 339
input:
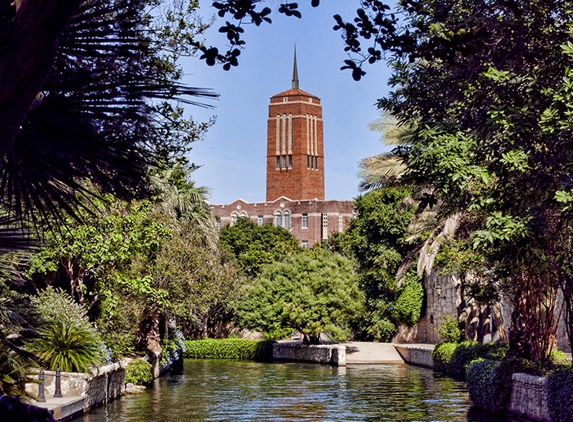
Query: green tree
column 311, row 292
column 491, row 141
column 255, row 246
column 377, row 240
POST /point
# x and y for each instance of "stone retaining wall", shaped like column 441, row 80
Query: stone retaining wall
column 529, row 397
column 416, row 355
column 317, row 353
column 97, row 386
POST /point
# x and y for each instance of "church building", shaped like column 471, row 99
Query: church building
column 295, row 173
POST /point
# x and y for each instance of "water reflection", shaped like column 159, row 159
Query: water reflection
column 212, row 390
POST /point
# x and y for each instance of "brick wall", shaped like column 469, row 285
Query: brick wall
column 295, row 137
column 336, row 213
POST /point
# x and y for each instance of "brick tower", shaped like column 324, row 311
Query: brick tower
column 295, row 147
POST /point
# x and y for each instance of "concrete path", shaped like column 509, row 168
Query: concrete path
column 63, row 408
column 364, row 353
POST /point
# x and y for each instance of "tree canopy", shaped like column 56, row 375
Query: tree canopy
column 255, row 246
column 311, row 292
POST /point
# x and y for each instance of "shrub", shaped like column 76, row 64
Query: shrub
column 450, row 331
column 489, row 381
column 560, row 395
column 57, row 305
column 138, row 372
column 442, row 355
column 231, row 348
column 468, row 351
column 408, row 306
column 68, row 346
column 381, row 329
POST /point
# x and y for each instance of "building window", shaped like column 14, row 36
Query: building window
column 285, row 99
column 305, row 221
column 260, row 220
column 340, row 223
column 218, row 225
column 286, row 220
column 324, row 226
column 284, row 162
column 305, row 244
column 234, row 218
column 278, row 219
column 308, row 161
column 290, row 161
column 278, row 163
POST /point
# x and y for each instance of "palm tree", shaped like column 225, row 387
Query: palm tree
column 181, row 200
column 387, row 168
column 99, row 115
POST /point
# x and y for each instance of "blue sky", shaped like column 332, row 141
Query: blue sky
column 233, row 153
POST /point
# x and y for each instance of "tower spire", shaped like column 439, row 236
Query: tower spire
column 294, row 72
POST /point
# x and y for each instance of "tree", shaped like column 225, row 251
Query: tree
column 107, row 109
column 485, row 83
column 311, row 292
column 376, row 239
column 255, row 246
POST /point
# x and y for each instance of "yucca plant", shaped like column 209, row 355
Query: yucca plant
column 67, row 345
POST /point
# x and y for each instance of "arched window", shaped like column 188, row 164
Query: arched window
column 278, row 219
column 286, row 220
column 234, row 218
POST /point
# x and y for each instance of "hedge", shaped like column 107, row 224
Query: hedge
column 452, row 358
column 231, row 348
column 560, row 395
column 489, row 381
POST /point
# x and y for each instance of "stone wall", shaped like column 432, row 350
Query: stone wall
column 483, row 323
column 320, row 353
column 416, row 355
column 97, row 386
column 529, row 397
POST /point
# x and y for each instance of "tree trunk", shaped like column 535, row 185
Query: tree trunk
column 28, row 46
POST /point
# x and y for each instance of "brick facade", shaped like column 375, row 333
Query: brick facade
column 295, row 173
column 295, row 148
column 308, row 221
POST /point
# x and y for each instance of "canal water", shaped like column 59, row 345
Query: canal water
column 227, row 390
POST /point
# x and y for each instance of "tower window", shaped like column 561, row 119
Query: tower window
column 278, row 163
column 284, row 162
column 290, row 161
column 305, row 221
column 286, row 220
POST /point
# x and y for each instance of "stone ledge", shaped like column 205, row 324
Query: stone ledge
column 329, row 354
column 419, row 355
column 529, row 397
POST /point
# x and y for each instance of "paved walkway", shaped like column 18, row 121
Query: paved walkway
column 364, row 353
column 62, row 408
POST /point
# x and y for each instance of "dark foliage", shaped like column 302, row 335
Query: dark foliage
column 97, row 115
column 560, row 395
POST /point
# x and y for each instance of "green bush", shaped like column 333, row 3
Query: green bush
column 560, row 395
column 278, row 333
column 138, row 372
column 489, row 381
column 450, row 331
column 468, row 351
column 68, row 346
column 231, row 348
column 408, row 306
column 442, row 355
